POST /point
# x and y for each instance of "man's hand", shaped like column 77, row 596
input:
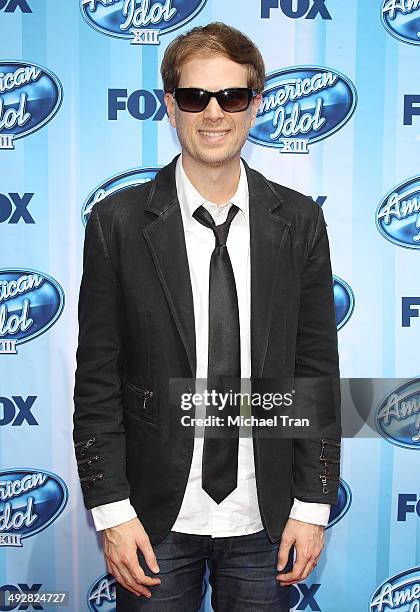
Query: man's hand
column 120, row 550
column 308, row 540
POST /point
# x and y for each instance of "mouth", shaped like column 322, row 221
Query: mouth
column 213, row 136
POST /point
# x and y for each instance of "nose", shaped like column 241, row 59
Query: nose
column 213, row 110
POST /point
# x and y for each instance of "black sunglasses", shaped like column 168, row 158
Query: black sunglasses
column 231, row 100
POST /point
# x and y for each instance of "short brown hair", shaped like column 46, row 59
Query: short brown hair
column 215, row 38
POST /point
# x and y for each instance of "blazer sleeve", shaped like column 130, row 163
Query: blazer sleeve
column 316, row 461
column 98, row 429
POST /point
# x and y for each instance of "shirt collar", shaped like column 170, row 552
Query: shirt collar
column 190, row 198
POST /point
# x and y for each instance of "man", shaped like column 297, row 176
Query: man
column 209, row 270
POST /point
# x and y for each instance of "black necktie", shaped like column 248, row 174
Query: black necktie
column 220, row 451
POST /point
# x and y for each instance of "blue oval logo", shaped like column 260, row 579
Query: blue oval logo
column 30, row 500
column 401, row 18
column 101, row 596
column 30, row 96
column 398, row 415
column 302, row 105
column 30, row 303
column 343, row 301
column 339, row 509
column 141, row 21
column 119, row 182
column 399, row 592
column 398, row 214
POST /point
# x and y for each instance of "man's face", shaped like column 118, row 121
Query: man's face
column 212, row 136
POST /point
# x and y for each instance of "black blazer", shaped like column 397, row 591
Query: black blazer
column 136, row 331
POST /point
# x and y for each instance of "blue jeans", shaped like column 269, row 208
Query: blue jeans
column 242, row 572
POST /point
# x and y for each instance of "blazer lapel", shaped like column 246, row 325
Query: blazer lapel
column 166, row 240
column 268, row 230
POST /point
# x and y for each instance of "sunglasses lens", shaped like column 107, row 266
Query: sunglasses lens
column 191, row 100
column 234, row 100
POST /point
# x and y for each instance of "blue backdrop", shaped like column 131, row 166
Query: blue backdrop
column 82, row 115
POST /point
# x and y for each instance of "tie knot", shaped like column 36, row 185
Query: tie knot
column 220, row 231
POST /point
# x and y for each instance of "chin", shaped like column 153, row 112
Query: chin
column 216, row 158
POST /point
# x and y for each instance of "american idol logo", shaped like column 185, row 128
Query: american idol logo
column 400, row 592
column 301, row 106
column 30, row 302
column 29, row 97
column 339, row 509
column 141, row 21
column 119, row 182
column 398, row 415
column 101, row 595
column 398, row 215
column 30, row 500
column 343, row 301
column 401, row 18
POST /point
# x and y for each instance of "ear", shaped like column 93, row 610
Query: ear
column 255, row 102
column 170, row 107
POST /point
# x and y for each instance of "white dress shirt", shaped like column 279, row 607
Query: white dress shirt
column 238, row 513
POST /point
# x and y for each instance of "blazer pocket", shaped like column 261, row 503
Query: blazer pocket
column 138, row 402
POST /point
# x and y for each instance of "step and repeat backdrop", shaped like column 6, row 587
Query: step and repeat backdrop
column 82, row 116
